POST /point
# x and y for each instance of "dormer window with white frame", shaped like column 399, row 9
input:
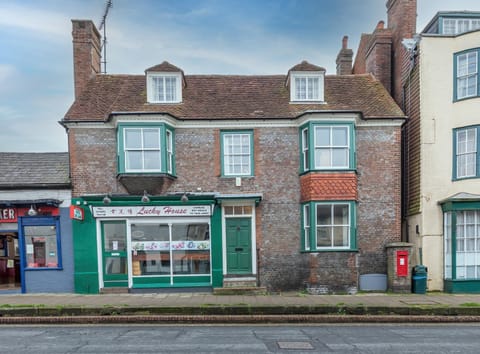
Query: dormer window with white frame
column 164, row 87
column 306, row 86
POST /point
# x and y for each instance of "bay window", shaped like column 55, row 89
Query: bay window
column 332, row 146
column 145, row 148
column 329, row 226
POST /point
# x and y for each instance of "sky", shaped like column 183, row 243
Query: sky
column 246, row 37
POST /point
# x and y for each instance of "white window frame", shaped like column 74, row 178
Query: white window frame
column 142, row 149
column 306, row 226
column 229, row 154
column 453, row 26
column 305, row 150
column 462, row 156
column 309, row 95
column 319, row 146
column 333, row 225
column 154, row 96
column 169, row 147
column 464, row 78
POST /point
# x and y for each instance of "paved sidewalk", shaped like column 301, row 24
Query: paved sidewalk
column 291, row 307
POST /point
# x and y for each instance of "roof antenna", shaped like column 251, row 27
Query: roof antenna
column 103, row 25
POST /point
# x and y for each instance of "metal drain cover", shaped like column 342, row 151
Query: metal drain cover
column 295, row 345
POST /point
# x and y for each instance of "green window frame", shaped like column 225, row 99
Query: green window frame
column 466, row 70
column 327, row 146
column 329, row 226
column 236, row 149
column 146, row 148
column 461, row 240
column 466, row 156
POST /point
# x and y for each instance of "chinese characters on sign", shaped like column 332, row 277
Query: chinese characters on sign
column 134, row 211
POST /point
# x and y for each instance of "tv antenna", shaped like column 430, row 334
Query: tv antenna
column 103, row 25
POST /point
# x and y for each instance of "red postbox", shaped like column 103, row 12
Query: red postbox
column 402, row 263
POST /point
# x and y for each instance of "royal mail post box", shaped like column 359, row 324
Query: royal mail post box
column 402, row 263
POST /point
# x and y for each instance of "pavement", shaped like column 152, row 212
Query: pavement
column 195, row 307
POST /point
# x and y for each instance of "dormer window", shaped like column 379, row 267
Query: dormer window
column 164, row 83
column 306, row 83
column 306, row 87
column 164, row 88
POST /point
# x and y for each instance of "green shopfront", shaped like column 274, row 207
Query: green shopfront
column 123, row 243
column 161, row 242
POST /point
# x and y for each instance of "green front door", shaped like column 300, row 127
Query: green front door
column 114, row 249
column 239, row 245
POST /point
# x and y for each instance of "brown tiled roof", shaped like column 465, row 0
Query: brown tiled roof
column 165, row 67
column 231, row 97
column 306, row 66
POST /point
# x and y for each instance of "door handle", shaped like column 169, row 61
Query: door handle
column 238, row 249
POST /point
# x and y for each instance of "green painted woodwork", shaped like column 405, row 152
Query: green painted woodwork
column 462, row 286
column 216, row 261
column 239, row 245
column 114, row 261
column 85, row 253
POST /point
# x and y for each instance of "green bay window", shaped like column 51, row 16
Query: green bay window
column 236, row 153
column 327, row 146
column 461, row 216
column 145, row 148
column 329, row 226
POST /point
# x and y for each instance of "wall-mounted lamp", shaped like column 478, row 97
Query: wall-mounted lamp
column 32, row 211
column 106, row 200
column 145, row 198
column 184, row 198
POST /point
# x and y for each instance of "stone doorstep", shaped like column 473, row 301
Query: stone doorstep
column 238, row 282
column 240, row 290
column 114, row 290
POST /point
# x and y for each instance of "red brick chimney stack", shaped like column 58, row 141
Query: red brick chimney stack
column 344, row 58
column 86, row 53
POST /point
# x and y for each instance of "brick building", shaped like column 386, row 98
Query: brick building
column 224, row 180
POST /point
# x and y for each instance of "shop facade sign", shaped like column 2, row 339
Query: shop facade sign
column 8, row 214
column 151, row 211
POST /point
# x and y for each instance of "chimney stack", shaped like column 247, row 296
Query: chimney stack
column 86, row 53
column 344, row 58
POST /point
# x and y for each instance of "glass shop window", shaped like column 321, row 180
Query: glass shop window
column 42, row 246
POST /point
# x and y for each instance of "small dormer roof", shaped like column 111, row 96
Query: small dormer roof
column 166, row 67
column 306, row 66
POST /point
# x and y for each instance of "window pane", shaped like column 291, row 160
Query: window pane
column 313, row 88
column 41, row 246
column 340, row 236
column 340, row 136
column 133, row 138
column 324, row 236
column 322, row 158
column 151, row 138
column 324, row 215
column 340, row 213
column 170, row 89
column 134, row 160
column 152, row 160
column 158, row 92
column 340, row 158
column 115, row 237
column 322, row 136
column 300, row 88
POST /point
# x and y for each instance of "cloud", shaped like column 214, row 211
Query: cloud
column 34, row 20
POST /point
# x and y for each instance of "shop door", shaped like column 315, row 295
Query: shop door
column 114, row 249
column 239, row 245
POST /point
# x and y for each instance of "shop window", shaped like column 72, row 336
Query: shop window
column 42, row 244
column 176, row 249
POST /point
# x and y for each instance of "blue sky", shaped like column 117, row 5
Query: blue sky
column 199, row 36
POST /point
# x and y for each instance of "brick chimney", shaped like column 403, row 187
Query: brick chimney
column 402, row 19
column 344, row 58
column 86, row 53
column 378, row 55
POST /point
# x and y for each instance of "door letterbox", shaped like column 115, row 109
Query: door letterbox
column 402, row 263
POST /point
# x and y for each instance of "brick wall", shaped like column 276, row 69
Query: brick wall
column 281, row 264
column 379, row 184
column 86, row 53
